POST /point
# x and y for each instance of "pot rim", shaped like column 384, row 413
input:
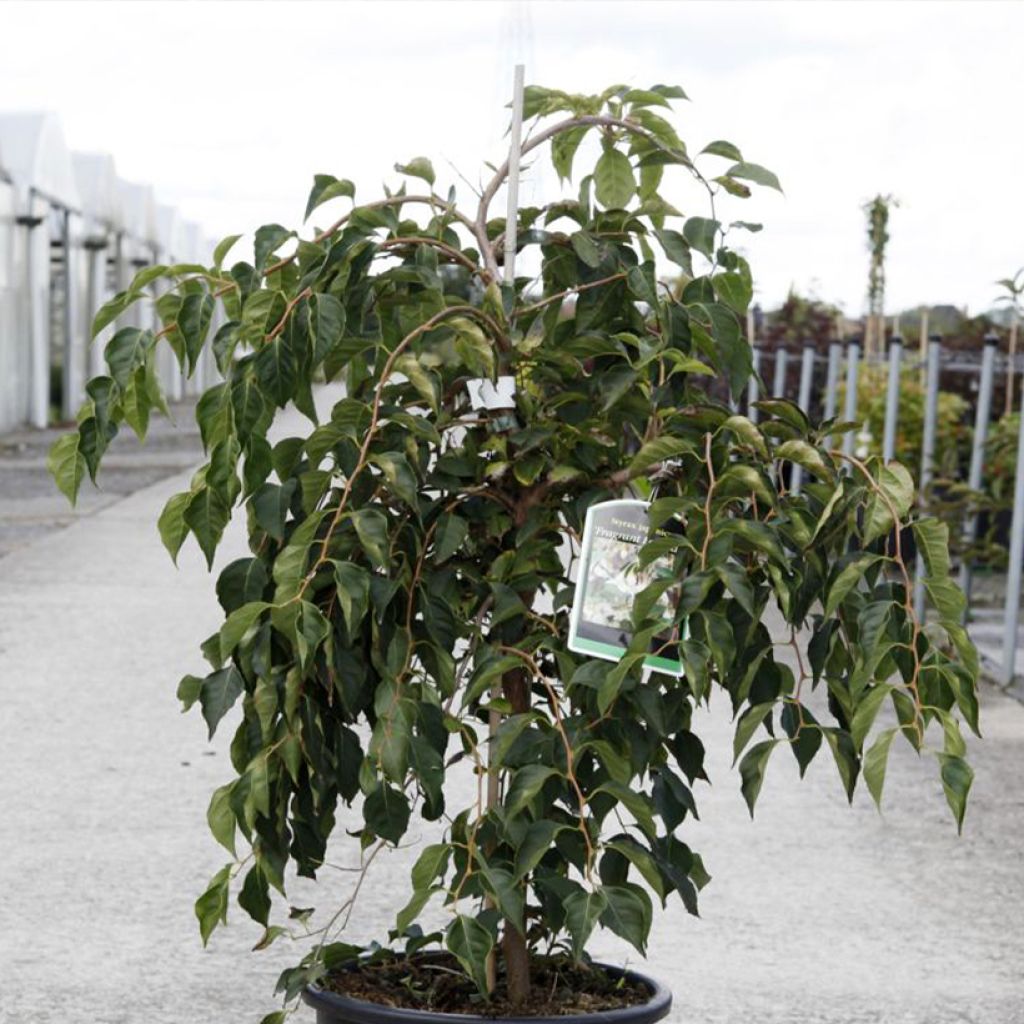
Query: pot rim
column 361, row 1011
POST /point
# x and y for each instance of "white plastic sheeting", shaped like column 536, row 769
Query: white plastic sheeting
column 44, row 272
column 72, row 234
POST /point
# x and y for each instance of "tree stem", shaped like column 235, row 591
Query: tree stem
column 517, row 965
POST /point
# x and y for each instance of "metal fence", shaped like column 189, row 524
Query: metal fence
column 816, row 388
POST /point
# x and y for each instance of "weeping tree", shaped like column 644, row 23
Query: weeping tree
column 402, row 615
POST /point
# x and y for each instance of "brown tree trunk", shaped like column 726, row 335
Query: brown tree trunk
column 516, row 688
column 517, row 965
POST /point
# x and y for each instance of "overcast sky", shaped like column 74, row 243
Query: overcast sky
column 228, row 109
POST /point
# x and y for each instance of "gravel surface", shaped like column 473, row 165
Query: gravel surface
column 818, row 912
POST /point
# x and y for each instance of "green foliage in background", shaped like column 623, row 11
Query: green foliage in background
column 401, row 617
column 952, row 431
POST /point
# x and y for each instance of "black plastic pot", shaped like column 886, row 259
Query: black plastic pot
column 332, row 1008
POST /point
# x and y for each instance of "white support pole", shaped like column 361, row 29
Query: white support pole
column 850, row 407
column 35, row 320
column 892, row 399
column 752, row 384
column 514, row 154
column 804, row 401
column 96, row 256
column 72, row 383
column 931, row 406
column 1014, row 570
column 781, row 365
column 981, row 417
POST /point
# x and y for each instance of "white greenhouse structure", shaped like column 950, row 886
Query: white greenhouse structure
column 72, row 235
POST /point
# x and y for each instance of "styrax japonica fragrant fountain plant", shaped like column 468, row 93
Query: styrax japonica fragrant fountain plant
column 403, row 615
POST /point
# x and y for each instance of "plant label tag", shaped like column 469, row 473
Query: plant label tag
column 608, row 581
column 485, row 393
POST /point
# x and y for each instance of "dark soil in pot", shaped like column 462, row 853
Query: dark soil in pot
column 429, row 987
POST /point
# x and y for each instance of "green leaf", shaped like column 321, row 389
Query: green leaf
column 238, row 623
column 755, row 173
column 418, row 167
column 747, row 432
column 126, row 352
column 614, row 185
column 450, row 536
column 66, row 465
column 470, row 943
column 752, row 769
column 269, row 238
column 527, row 782
column 734, row 289
column 898, row 487
column 372, row 529
column 957, row 777
column 193, row 322
column 276, row 370
column 806, row 455
column 539, row 838
column 748, row 724
column 291, row 563
column 722, row 148
column 218, row 694
column 326, row 187
column 401, row 480
column 846, row 579
column 628, row 913
column 224, row 246
column 254, row 898
column 386, row 813
column 353, row 582
column 874, row 763
column 932, row 536
column 676, row 249
column 582, row 911
column 188, row 691
column 845, row 757
column 563, row 150
column 111, row 310
column 657, row 451
column 701, row 233
column 867, row 711
column 586, row 248
column 431, row 863
column 206, row 515
column 221, row 818
column 212, row 907
column 270, row 505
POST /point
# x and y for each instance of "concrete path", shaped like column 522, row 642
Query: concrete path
column 817, row 913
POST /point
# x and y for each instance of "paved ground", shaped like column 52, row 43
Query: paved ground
column 817, row 913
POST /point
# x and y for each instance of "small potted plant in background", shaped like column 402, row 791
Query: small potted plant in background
column 404, row 617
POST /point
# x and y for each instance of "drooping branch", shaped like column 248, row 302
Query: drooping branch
column 487, row 253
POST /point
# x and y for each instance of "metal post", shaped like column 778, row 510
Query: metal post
column 835, row 357
column 779, row 383
column 96, row 267
column 512, row 218
column 892, row 398
column 74, row 355
column 931, row 406
column 35, row 327
column 981, row 417
column 850, row 407
column 1014, row 570
column 752, row 385
column 804, row 401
